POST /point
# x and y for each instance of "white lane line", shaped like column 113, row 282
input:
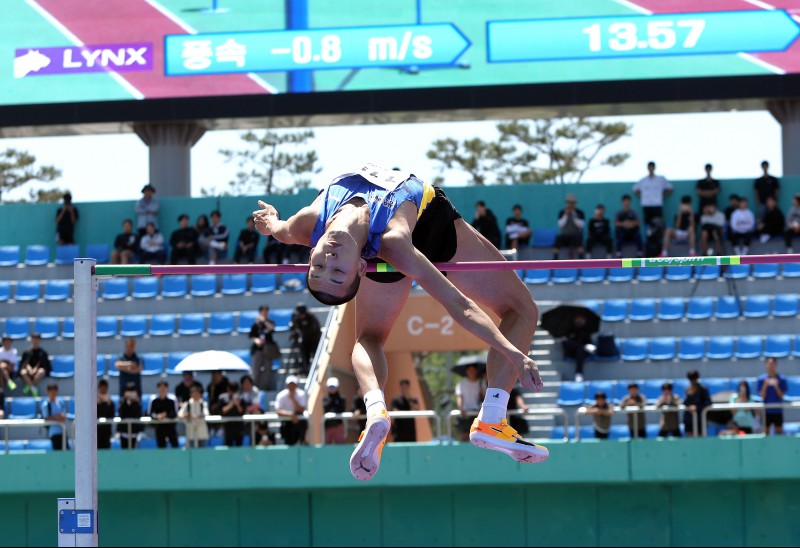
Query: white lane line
column 634, row 7
column 762, row 64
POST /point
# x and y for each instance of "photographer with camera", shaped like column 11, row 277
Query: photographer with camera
column 264, row 350
column 130, row 407
column 230, row 404
column 305, row 334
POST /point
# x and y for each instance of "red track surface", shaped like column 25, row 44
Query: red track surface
column 121, row 21
column 788, row 60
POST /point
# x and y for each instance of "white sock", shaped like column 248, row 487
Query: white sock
column 495, row 406
column 375, row 403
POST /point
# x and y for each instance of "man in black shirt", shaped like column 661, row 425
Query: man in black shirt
column 264, row 350
column 765, row 186
column 130, row 367
column 105, row 410
column 486, row 223
column 772, row 223
column 405, row 429
column 599, row 232
column 230, row 405
column 164, row 407
column 66, row 217
column 247, row 243
column 626, row 227
column 183, row 392
column 183, row 242
column 333, row 403
column 34, row 366
column 518, row 232
column 707, row 190
column 305, row 333
column 218, row 386
column 130, row 407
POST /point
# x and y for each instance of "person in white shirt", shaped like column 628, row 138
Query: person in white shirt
column 152, row 246
column 469, row 395
column 743, row 224
column 8, row 364
column 712, row 222
column 292, row 402
column 194, row 412
column 652, row 190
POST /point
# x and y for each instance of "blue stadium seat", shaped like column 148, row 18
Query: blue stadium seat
column 777, row 346
column 749, row 346
column 700, row 308
column 792, row 388
column 593, row 387
column 153, row 363
column 147, row 443
column 37, row 255
column 174, row 285
column 113, row 371
column 173, row 359
column 107, row 326
column 727, row 307
column 791, row 270
column 234, row 284
column 99, row 252
column 565, row 275
column 691, row 348
column 162, row 325
column 544, row 237
column 63, row 367
column 146, row 399
column 643, row 310
column 282, row 318
column 720, row 348
column 191, row 324
column 17, row 328
column 592, row 304
column 619, row 275
column 791, row 428
column 220, row 323
column 102, row 364
column 716, row 385
column 662, row 348
column 571, row 393
column 13, row 445
column 66, row 254
column 796, row 349
column 650, row 274
column 71, row 408
column 9, row 255
column 145, row 287
column 28, row 290
column 670, row 308
column 5, row 290
column 619, row 432
column 651, row 388
column 707, row 272
column 57, row 290
column 133, row 326
column 679, row 386
column 678, row 273
column 115, row 288
column 295, row 281
column 557, row 433
column 536, row 276
column 737, row 271
column 203, row 285
column 215, row 441
column 593, row 275
column 23, row 408
column 765, row 270
column 586, row 432
column 634, row 349
column 246, row 320
column 615, row 310
column 263, row 283
column 68, row 328
column 756, row 306
column 785, row 305
column 46, row 326
column 39, row 445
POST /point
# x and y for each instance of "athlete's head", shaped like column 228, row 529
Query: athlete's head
column 335, row 268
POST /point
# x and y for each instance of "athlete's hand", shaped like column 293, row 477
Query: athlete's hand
column 265, row 217
column 529, row 373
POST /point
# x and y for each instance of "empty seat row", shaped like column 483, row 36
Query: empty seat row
column 37, row 255
column 31, row 290
column 621, row 431
column 716, row 348
column 200, row 285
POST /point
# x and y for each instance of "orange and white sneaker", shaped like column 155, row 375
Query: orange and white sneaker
column 366, row 459
column 501, row 437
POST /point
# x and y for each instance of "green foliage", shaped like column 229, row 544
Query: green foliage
column 18, row 168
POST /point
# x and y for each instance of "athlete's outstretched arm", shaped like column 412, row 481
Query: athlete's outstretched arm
column 294, row 230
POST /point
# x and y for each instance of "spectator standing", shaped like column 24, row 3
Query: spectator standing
column 146, row 209
column 669, row 423
column 772, row 387
column 217, row 239
column 486, row 223
column 697, row 398
column 274, row 251
column 627, row 227
column 333, row 403
column 742, row 227
column 291, row 402
column 637, row 421
column 130, row 407
column 105, row 410
column 772, row 224
column 601, row 412
column 66, row 219
column 250, row 395
column 263, row 350
column 183, row 242
column 230, row 405
column 599, row 232
column 571, row 221
column 305, row 333
column 54, row 409
column 218, row 386
column 683, row 229
column 765, row 187
column 405, row 430
column 712, row 224
column 517, row 403
column 247, row 243
column 162, row 407
column 34, row 366
column 151, row 246
column 202, row 228
column 9, row 359
column 193, row 413
column 130, row 368
column 126, row 244
column 518, row 232
column 470, row 392
column 184, row 389
column 707, row 190
column 745, row 419
column 652, row 189
column 792, row 223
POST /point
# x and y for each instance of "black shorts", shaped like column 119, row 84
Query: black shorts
column 773, row 419
column 434, row 235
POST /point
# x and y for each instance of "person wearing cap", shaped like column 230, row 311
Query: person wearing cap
column 333, row 403
column 637, row 421
column 291, row 402
column 305, row 334
column 571, row 221
column 697, row 398
column 164, row 406
column 247, row 243
column 601, row 411
column 651, row 190
column 34, row 365
column 670, row 423
column 146, row 209
column 405, row 430
column 183, row 242
column 126, row 244
column 66, row 218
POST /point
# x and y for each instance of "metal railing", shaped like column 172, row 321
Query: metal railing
column 8, row 424
column 754, row 406
column 635, row 410
column 530, row 413
column 426, row 414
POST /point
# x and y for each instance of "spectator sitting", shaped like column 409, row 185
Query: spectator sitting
column 34, row 366
column 263, row 350
column 217, row 387
column 470, row 393
column 765, row 187
column 772, row 224
column 517, row 403
column 126, row 244
column 202, row 228
column 518, row 232
column 263, row 435
column 744, row 419
column 578, row 343
column 626, row 227
column 637, row 421
column 130, row 368
column 697, row 398
column 164, row 407
column 247, row 243
column 217, row 239
column 194, row 412
column 105, row 410
column 683, row 229
column 486, row 223
column 54, row 409
column 333, row 403
column 183, row 242
column 151, row 246
column 250, row 396
column 230, row 404
column 602, row 412
column 305, row 334
column 792, row 223
column 733, row 205
column 599, row 232
column 8, row 366
column 670, row 423
column 292, row 402
column 405, row 430
column 712, row 223
column 359, row 409
column 571, row 221
column 772, row 387
column 651, row 190
column 146, row 209
column 184, row 389
column 66, row 218
column 742, row 226
column 707, row 190
column 130, row 407
column 274, row 251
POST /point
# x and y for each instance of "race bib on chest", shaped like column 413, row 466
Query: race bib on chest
column 387, row 179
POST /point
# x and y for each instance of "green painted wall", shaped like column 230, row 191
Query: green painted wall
column 737, row 492
column 24, row 224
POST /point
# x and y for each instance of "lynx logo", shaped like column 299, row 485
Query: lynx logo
column 70, row 60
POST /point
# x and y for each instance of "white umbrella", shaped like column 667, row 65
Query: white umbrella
column 212, row 360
